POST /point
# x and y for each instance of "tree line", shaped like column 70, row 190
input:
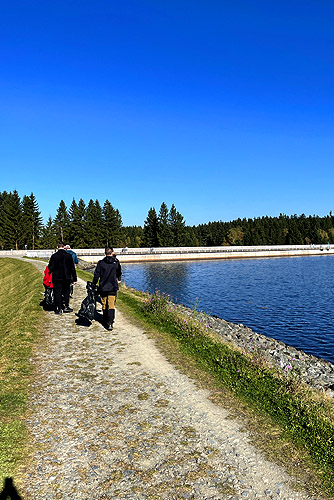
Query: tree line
column 80, row 225
column 93, row 225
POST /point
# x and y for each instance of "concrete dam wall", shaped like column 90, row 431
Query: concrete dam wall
column 93, row 255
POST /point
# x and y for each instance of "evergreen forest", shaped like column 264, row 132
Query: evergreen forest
column 96, row 225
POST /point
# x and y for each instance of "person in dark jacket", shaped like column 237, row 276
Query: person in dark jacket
column 63, row 273
column 109, row 272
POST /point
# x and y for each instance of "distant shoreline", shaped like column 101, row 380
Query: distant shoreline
column 160, row 254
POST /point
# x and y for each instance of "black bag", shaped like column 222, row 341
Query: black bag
column 48, row 297
column 88, row 305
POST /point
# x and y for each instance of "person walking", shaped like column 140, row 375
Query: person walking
column 63, row 271
column 75, row 260
column 109, row 272
column 72, row 253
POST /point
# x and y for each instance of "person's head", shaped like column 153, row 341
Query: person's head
column 60, row 245
column 108, row 250
column 67, row 247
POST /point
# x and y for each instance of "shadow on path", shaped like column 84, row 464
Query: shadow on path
column 9, row 490
column 83, row 321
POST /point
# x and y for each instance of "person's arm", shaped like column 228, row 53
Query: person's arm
column 96, row 274
column 119, row 272
column 70, row 266
column 74, row 273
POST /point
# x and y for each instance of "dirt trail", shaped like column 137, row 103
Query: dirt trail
column 111, row 418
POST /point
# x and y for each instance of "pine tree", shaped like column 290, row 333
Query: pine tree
column 77, row 215
column 62, row 222
column 112, row 223
column 150, row 232
column 3, row 196
column 190, row 239
column 31, row 221
column 49, row 238
column 11, row 221
column 293, row 236
column 94, row 229
column 72, row 215
column 165, row 236
column 177, row 227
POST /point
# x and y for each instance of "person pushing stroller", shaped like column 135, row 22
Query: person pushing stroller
column 109, row 272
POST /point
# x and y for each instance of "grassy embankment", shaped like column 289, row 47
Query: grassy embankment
column 20, row 326
column 291, row 423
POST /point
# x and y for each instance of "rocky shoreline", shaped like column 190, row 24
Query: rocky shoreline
column 316, row 372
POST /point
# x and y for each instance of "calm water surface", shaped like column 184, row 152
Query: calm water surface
column 289, row 299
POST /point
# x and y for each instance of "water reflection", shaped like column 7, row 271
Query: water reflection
column 171, row 275
column 290, row 299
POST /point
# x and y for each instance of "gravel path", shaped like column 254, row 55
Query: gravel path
column 111, row 418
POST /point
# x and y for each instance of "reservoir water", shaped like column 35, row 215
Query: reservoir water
column 289, row 299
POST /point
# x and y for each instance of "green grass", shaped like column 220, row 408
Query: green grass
column 20, row 321
column 85, row 275
column 297, row 422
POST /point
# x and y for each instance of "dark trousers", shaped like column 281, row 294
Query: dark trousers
column 61, row 288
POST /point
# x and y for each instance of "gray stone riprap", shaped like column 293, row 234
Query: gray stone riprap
column 318, row 373
column 110, row 418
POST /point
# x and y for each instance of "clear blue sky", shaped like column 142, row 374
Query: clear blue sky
column 223, row 107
